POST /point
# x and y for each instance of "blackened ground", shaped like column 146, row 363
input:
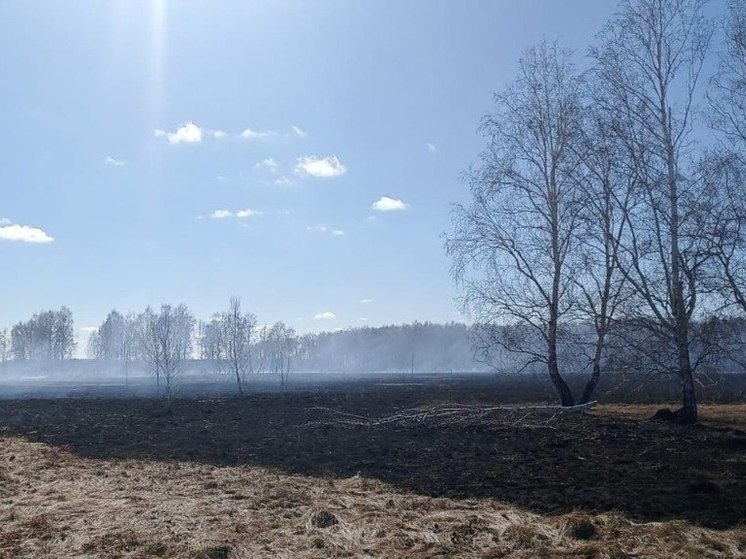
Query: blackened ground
column 719, row 388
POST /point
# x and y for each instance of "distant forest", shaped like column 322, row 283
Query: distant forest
column 172, row 340
column 420, row 346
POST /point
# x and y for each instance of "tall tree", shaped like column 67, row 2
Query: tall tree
column 649, row 61
column 728, row 95
column 511, row 246
column 725, row 167
column 607, row 186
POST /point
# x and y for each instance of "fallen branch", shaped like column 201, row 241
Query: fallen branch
column 449, row 414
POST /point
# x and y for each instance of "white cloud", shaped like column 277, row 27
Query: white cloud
column 223, row 214
column 327, row 230
column 298, row 132
column 284, row 180
column 114, row 162
column 431, row 148
column 188, row 133
column 366, row 301
column 268, row 163
column 363, row 319
column 320, row 167
column 218, row 134
column 256, row 135
column 387, row 204
column 5, row 221
column 247, row 213
column 370, row 218
column 327, row 315
column 23, row 233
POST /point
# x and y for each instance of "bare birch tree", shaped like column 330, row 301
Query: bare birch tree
column 607, row 187
column 238, row 330
column 147, row 338
column 173, row 330
column 727, row 96
column 650, row 61
column 511, row 246
column 725, row 168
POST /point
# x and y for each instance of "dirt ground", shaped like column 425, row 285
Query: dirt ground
column 290, row 476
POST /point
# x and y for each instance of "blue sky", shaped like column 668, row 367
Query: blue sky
column 345, row 102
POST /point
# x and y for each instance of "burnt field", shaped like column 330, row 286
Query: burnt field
column 386, row 471
column 632, row 388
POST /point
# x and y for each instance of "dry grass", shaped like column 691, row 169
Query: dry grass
column 716, row 415
column 58, row 505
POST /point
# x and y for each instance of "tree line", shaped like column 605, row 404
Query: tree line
column 47, row 335
column 613, row 196
column 233, row 342
column 167, row 341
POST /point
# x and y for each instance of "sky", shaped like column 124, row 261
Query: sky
column 301, row 155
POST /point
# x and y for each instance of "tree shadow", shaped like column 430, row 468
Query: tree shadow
column 648, row 471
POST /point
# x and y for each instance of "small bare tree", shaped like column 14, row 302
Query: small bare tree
column 173, row 330
column 238, row 330
column 166, row 342
column 511, row 246
column 147, row 339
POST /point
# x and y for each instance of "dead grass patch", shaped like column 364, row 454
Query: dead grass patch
column 152, row 509
column 719, row 415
